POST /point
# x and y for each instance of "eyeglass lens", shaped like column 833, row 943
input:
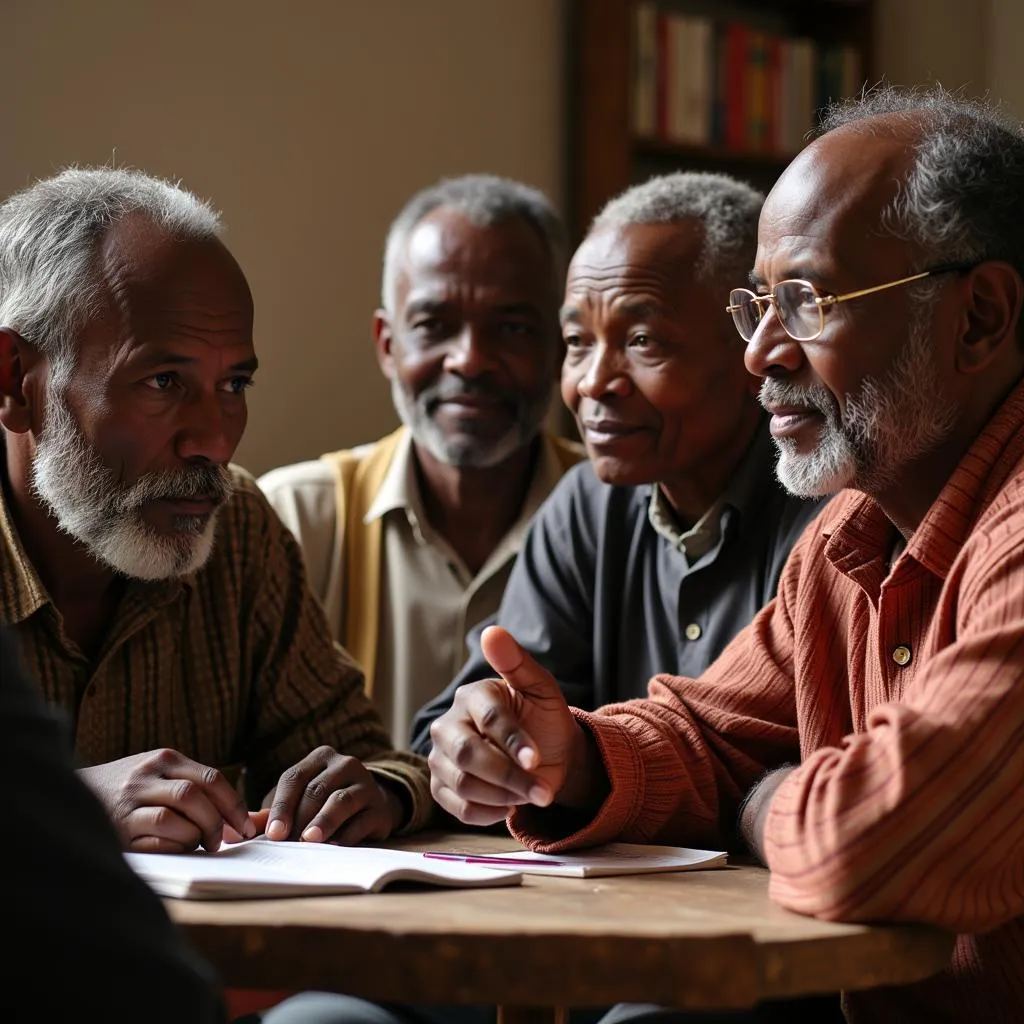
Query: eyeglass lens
column 799, row 312
column 795, row 303
column 746, row 313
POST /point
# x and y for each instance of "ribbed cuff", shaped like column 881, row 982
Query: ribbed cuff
column 552, row 829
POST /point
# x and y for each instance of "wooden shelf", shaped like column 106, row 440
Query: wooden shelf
column 681, row 151
column 604, row 155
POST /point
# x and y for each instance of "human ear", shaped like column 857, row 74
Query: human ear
column 994, row 293
column 15, row 359
column 382, row 338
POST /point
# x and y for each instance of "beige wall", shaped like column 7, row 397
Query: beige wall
column 308, row 124
column 1003, row 49
column 919, row 41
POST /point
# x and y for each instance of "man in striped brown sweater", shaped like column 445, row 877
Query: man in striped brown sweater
column 867, row 726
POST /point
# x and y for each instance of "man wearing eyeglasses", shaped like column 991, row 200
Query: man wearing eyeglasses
column 867, row 727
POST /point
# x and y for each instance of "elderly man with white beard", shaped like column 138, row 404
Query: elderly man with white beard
column 157, row 598
column 866, row 729
column 409, row 540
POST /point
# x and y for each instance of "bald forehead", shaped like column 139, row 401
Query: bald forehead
column 447, row 253
column 675, row 246
column 138, row 255
column 446, row 235
column 832, row 196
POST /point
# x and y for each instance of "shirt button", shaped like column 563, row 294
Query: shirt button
column 692, row 631
column 901, row 655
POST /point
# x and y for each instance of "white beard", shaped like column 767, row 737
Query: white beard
column 105, row 516
column 886, row 425
column 464, row 452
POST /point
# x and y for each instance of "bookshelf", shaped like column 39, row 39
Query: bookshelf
column 714, row 85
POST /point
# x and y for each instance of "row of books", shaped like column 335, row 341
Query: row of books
column 703, row 82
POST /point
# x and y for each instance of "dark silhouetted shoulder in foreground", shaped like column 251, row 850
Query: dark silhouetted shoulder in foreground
column 91, row 941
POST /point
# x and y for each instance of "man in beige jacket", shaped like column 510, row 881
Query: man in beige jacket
column 409, row 541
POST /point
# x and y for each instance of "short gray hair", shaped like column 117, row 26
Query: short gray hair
column 727, row 210
column 49, row 237
column 484, row 199
column 963, row 200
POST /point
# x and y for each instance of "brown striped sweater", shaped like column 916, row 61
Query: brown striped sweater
column 908, row 804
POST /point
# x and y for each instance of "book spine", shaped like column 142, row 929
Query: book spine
column 735, row 85
column 756, row 92
column 645, row 70
column 662, row 77
column 678, row 71
column 720, row 86
column 773, row 91
column 701, row 78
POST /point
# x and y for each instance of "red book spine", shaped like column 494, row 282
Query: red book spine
column 773, row 81
column 735, row 85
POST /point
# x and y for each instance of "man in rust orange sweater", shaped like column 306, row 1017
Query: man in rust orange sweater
column 866, row 728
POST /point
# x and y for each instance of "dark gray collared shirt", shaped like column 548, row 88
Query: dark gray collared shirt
column 604, row 600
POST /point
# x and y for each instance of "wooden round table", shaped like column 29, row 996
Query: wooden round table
column 702, row 939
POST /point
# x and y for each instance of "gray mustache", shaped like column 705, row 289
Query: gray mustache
column 196, row 481
column 779, row 392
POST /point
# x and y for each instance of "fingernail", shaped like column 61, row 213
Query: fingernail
column 249, row 831
column 527, row 757
column 540, row 795
column 313, row 834
column 277, row 830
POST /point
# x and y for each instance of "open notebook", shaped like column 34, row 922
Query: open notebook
column 609, row 859
column 259, row 868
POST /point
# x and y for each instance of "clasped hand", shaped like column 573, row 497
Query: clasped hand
column 163, row 802
column 510, row 741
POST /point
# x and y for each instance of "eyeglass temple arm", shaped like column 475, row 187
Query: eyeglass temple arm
column 945, row 268
column 831, row 300
column 758, row 300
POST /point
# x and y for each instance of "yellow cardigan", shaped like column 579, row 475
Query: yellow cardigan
column 358, row 481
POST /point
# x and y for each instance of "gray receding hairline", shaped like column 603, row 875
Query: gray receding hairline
column 484, row 199
column 727, row 209
column 50, row 234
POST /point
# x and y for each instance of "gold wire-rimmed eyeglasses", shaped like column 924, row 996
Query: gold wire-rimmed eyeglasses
column 799, row 307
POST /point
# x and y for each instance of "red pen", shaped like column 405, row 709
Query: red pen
column 496, row 861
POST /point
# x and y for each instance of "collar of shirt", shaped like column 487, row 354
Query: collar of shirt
column 860, row 534
column 693, row 543
column 400, row 491
column 738, row 499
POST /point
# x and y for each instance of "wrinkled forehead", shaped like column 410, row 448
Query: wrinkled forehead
column 158, row 288
column 141, row 261
column 637, row 253
column 826, row 211
column 446, row 249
